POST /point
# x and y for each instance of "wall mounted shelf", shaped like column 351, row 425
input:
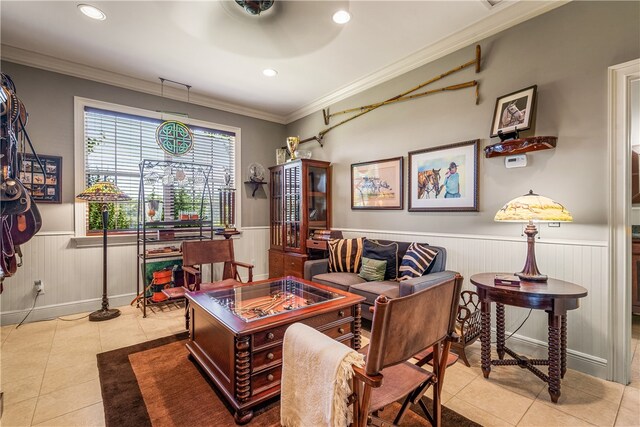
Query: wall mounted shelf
column 255, row 185
column 520, row 146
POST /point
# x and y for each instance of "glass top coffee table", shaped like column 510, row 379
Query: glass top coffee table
column 236, row 332
column 251, row 303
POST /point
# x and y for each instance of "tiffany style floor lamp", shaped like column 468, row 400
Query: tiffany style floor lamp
column 104, row 192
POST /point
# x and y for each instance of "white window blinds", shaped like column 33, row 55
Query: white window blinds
column 115, row 143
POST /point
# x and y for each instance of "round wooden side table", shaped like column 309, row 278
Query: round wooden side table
column 556, row 297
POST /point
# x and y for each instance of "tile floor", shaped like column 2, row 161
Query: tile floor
column 50, row 378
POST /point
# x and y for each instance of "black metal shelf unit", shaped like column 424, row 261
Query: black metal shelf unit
column 196, row 177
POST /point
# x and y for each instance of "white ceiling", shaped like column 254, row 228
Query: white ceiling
column 220, row 50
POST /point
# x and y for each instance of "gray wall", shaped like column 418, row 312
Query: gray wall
column 566, row 53
column 49, row 99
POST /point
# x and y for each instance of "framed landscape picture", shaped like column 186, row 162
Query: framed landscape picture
column 44, row 187
column 444, row 178
column 377, row 184
column 514, row 111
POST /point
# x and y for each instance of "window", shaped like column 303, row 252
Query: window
column 116, row 140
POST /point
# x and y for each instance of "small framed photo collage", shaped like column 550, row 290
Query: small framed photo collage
column 44, row 187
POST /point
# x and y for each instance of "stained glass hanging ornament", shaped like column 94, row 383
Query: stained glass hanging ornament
column 198, row 176
column 152, row 178
column 167, row 180
column 180, row 175
column 174, row 137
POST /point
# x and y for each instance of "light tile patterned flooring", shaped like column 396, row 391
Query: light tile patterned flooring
column 50, row 378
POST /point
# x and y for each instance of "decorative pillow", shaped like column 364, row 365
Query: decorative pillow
column 345, row 255
column 372, row 270
column 385, row 252
column 416, row 261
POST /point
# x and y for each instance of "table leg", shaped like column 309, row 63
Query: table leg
column 243, row 416
column 485, row 337
column 500, row 330
column 554, row 356
column 563, row 345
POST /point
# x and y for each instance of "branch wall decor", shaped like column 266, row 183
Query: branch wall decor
column 404, row 96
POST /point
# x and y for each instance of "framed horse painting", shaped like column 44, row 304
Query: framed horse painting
column 444, row 178
column 377, row 184
column 514, row 111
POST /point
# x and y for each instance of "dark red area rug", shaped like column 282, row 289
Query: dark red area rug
column 155, row 384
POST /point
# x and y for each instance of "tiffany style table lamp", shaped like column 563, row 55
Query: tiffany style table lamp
column 529, row 208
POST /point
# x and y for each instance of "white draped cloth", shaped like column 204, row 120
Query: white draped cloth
column 316, row 379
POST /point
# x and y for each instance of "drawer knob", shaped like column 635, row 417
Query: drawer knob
column 341, row 330
column 270, row 336
column 270, row 377
column 270, row 356
column 341, row 313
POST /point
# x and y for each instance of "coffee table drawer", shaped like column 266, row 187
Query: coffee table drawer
column 265, row 380
column 277, row 334
column 267, row 357
column 337, row 331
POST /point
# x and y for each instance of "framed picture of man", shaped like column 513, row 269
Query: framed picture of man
column 444, row 178
column 514, row 111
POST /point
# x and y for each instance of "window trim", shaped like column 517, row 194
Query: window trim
column 79, row 209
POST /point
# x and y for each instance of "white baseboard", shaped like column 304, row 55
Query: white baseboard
column 52, row 311
column 582, row 362
column 48, row 312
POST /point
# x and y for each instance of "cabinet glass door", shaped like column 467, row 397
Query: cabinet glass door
column 276, row 208
column 292, row 204
column 317, row 209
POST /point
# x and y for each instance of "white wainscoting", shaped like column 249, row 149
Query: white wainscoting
column 72, row 276
column 580, row 262
column 73, row 280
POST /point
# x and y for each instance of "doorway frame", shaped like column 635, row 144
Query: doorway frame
column 619, row 357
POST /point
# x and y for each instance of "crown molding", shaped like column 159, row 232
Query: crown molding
column 507, row 14
column 57, row 65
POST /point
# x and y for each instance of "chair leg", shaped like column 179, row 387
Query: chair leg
column 463, row 355
column 402, row 410
column 426, row 411
column 364, row 408
column 414, row 397
column 437, row 407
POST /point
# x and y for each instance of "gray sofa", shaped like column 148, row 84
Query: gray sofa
column 318, row 271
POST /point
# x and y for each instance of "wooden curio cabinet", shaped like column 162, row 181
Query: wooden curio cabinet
column 300, row 204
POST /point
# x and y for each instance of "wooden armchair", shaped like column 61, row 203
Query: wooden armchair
column 197, row 253
column 401, row 328
column 467, row 323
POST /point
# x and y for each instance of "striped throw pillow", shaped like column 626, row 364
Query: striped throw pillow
column 416, row 261
column 345, row 255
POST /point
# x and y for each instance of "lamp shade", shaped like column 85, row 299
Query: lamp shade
column 103, row 192
column 533, row 207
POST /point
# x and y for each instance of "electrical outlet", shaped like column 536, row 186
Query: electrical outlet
column 38, row 286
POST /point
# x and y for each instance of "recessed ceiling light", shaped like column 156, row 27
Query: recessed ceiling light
column 341, row 17
column 92, row 12
column 269, row 72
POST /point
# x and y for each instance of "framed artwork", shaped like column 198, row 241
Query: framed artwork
column 44, row 187
column 444, row 178
column 377, row 184
column 514, row 110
